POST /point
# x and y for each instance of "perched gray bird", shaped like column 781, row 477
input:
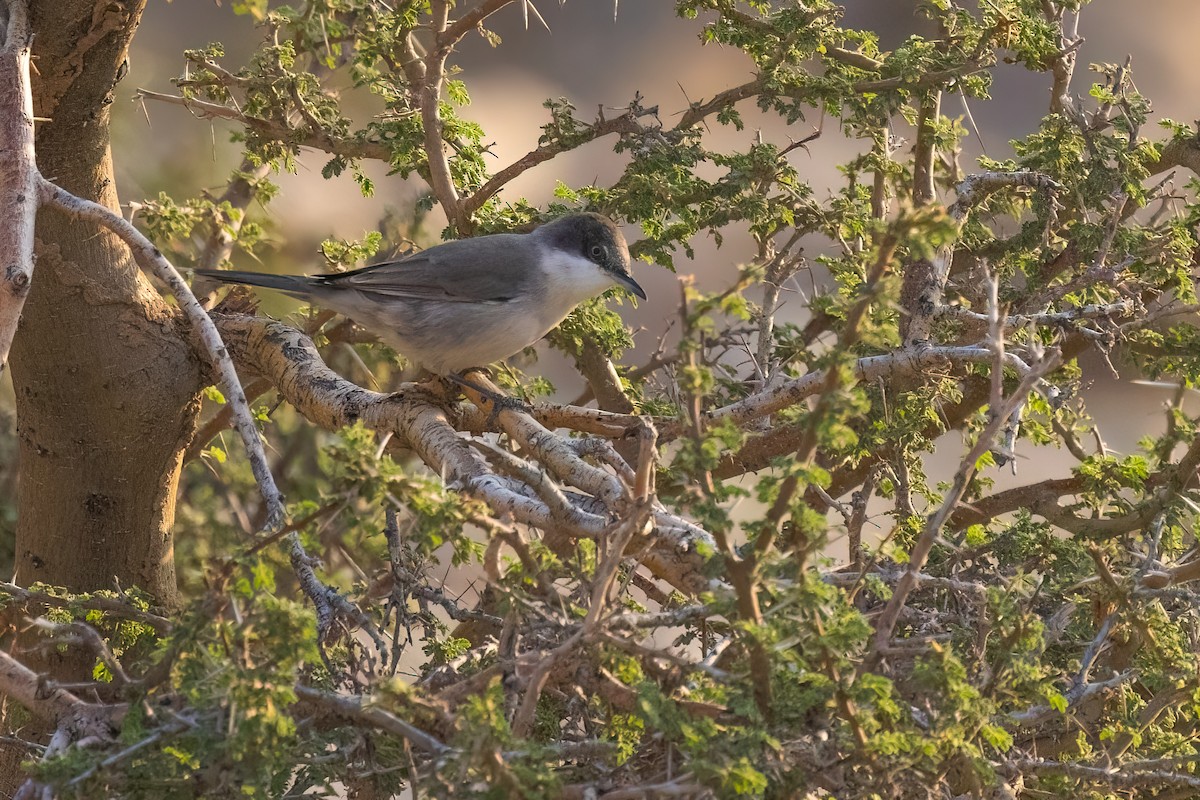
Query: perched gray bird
column 470, row 302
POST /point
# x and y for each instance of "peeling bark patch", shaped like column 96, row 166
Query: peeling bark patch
column 97, row 504
column 27, row 435
column 18, row 279
column 35, row 560
column 353, row 408
column 296, row 353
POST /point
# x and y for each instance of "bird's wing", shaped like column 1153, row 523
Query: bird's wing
column 464, row 271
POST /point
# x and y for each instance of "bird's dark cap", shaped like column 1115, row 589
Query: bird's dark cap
column 597, row 238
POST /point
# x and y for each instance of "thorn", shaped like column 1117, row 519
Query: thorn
column 526, row 6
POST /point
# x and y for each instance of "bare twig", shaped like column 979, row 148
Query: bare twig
column 317, row 139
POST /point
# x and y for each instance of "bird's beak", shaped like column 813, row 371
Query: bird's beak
column 629, row 283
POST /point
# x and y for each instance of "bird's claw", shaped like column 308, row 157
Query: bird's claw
column 505, row 403
column 498, row 401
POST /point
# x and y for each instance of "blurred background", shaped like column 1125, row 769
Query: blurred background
column 598, row 55
column 597, row 58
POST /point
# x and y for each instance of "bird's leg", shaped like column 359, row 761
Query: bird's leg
column 498, row 400
column 433, row 386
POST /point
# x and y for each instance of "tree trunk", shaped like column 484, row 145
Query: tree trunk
column 105, row 380
column 106, row 383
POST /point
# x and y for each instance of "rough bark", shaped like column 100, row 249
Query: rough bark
column 105, row 379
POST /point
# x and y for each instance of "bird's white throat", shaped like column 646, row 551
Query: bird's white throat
column 571, row 279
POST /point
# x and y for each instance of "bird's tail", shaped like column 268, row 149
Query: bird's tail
column 295, row 285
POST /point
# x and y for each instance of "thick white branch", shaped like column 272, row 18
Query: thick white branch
column 18, row 175
column 25, row 686
column 553, row 452
column 289, row 360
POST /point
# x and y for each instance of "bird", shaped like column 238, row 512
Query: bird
column 468, row 303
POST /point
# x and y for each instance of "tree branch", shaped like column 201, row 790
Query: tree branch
column 106, row 605
column 425, row 78
column 904, row 362
column 471, row 20
column 358, row 709
column 22, row 684
column 933, row 526
column 18, row 174
column 623, row 124
column 289, row 359
column 975, row 188
column 315, row 138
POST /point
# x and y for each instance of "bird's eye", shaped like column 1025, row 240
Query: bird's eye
column 597, row 251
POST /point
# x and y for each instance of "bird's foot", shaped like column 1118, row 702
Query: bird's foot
column 496, row 399
column 429, row 387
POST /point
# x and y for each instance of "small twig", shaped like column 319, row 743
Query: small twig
column 270, row 129
column 357, row 709
column 86, row 635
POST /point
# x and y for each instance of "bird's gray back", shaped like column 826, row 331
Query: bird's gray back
column 461, row 304
column 491, row 269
